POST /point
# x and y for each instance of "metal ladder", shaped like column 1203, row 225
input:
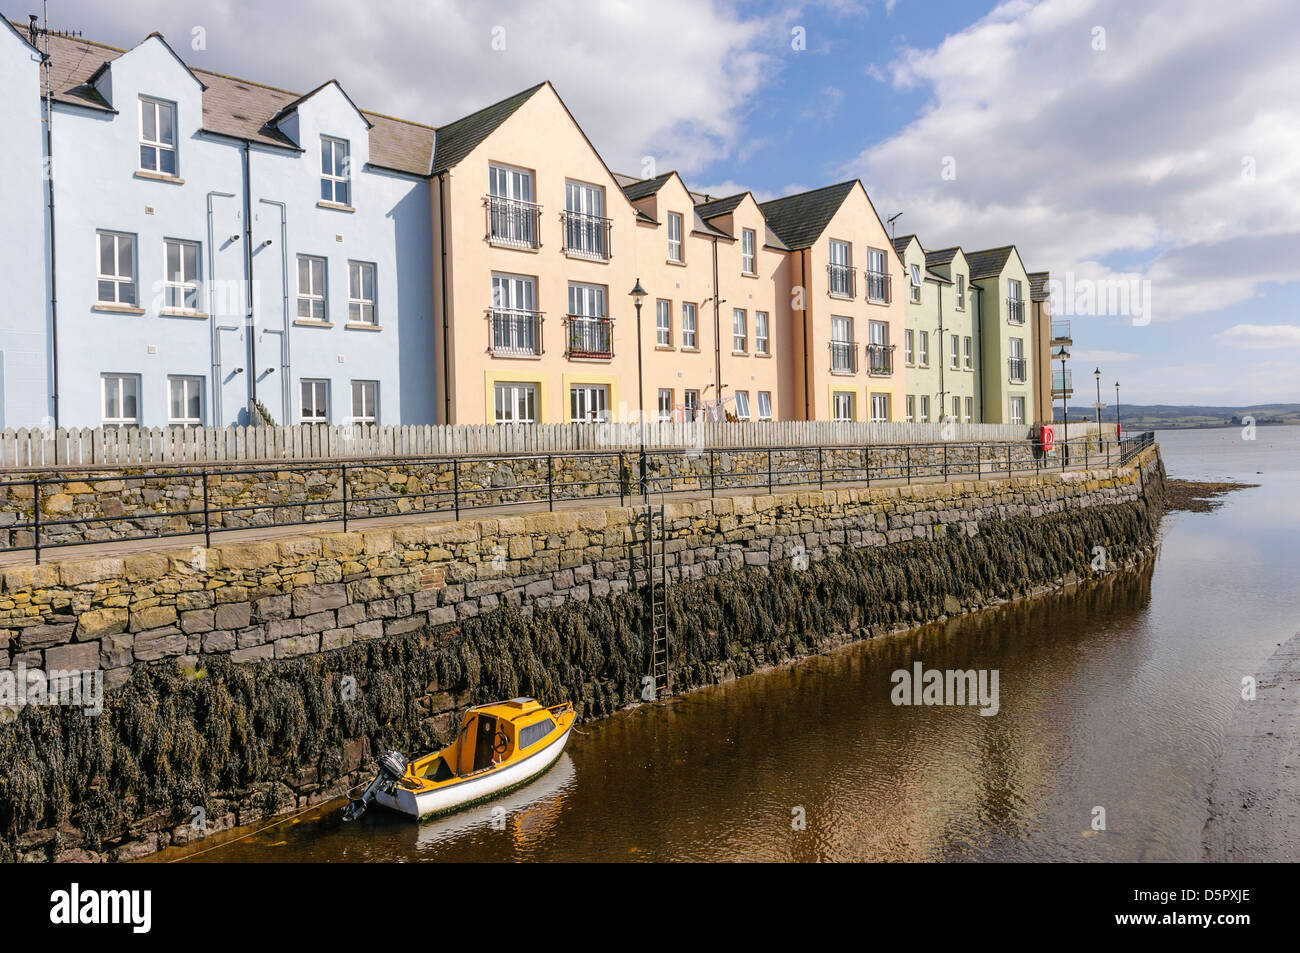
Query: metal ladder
column 656, row 566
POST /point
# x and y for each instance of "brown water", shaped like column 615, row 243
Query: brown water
column 1113, row 695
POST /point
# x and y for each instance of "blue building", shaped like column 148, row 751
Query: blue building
column 219, row 245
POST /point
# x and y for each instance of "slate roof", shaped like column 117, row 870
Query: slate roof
column 644, row 188
column 991, row 261
column 234, row 107
column 901, row 243
column 716, row 207
column 940, row 256
column 458, row 139
column 799, row 220
column 1039, row 283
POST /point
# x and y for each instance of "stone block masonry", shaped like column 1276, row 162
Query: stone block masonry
column 225, row 672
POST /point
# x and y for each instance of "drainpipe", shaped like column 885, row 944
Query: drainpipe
column 943, row 394
column 286, row 384
column 212, row 311
column 49, row 177
column 446, row 337
column 717, row 329
column 248, row 275
column 803, row 283
column 979, row 341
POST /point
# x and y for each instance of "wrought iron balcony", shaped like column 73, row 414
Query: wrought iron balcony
column 1017, row 368
column 515, row 332
column 1062, row 383
column 1061, row 333
column 879, row 287
column 844, row 357
column 590, row 337
column 587, row 236
column 1015, row 311
column 512, row 223
column 842, row 280
column 880, row 359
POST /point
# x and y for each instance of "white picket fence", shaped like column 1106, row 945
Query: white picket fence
column 137, row 446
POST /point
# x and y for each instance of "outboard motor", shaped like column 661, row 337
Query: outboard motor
column 392, row 766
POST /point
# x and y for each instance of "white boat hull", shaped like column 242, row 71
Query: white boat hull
column 454, row 796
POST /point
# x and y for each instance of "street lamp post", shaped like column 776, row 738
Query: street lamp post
column 1118, row 433
column 1065, row 415
column 638, row 295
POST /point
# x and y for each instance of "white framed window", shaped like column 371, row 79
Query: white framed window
column 315, row 401
column 157, row 136
column 923, row 351
column 966, row 357
column 961, row 292
column 748, row 242
column 690, row 405
column 119, row 400
column 335, row 170
column 842, row 409
column 1017, row 362
column 663, row 323
column 512, row 216
column 184, row 401
column 516, row 403
column 116, row 275
column 665, row 405
column 361, row 293
column 915, row 271
column 742, row 405
column 1017, row 410
column 843, row 350
column 313, row 299
column 908, row 340
column 588, row 403
column 760, row 333
column 674, row 236
column 585, row 225
column 879, row 408
column 954, row 352
column 877, row 275
column 365, row 402
column 516, row 324
column 910, row 406
column 956, row 408
column 840, row 274
column 925, row 409
column 970, row 408
column 739, row 330
column 764, row 405
column 180, row 275
column 690, row 339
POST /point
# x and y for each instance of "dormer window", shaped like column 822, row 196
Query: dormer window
column 335, row 168
column 157, row 136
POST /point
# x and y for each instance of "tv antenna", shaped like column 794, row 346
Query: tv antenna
column 891, row 220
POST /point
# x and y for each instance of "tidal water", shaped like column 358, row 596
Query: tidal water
column 1113, row 696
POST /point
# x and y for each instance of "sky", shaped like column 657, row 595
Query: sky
column 1145, row 152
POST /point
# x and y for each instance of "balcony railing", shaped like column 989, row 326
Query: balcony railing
column 512, row 223
column 844, row 357
column 1061, row 333
column 880, row 359
column 1062, row 383
column 879, row 287
column 1016, row 367
column 515, row 332
column 842, row 280
column 586, row 236
column 590, row 337
column 1016, row 310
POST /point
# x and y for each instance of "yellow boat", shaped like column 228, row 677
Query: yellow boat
column 499, row 747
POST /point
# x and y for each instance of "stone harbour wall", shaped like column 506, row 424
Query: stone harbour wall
column 223, row 671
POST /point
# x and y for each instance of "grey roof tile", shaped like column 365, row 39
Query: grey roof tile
column 799, row 220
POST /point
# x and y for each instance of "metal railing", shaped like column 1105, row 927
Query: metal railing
column 1016, row 310
column 513, row 222
column 1016, row 369
column 879, row 287
column 1062, row 382
column 844, row 357
column 880, row 359
column 515, row 332
column 454, row 485
column 1061, row 332
column 589, row 337
column 842, row 280
column 586, row 236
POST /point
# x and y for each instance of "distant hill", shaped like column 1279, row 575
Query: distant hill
column 1172, row 417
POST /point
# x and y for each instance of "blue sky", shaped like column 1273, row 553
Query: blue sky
column 1155, row 142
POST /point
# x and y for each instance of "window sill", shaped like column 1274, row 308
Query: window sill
column 354, row 326
column 309, row 323
column 183, row 313
column 515, row 357
column 666, row 347
column 117, row 309
column 158, row 177
column 880, row 301
column 880, row 373
column 762, row 353
column 835, row 373
column 335, row 207
column 587, row 256
column 740, row 354
column 839, row 296
column 513, row 246
column 749, row 274
column 690, row 350
column 675, row 264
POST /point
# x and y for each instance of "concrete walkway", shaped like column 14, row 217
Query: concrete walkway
column 257, row 534
column 1255, row 795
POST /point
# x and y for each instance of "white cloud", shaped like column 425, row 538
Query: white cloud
column 1260, row 336
column 672, row 83
column 1176, row 150
column 1103, row 357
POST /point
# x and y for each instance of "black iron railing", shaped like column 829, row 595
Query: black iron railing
column 590, row 337
column 516, row 332
column 1016, row 369
column 880, row 359
column 513, row 222
column 1016, row 310
column 879, row 287
column 844, row 357
column 842, row 280
column 587, row 236
column 42, row 508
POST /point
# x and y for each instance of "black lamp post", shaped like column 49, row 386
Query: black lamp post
column 1065, row 412
column 1118, row 434
column 638, row 295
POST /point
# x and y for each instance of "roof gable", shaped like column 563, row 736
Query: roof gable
column 290, row 108
column 991, row 261
column 799, row 220
column 456, row 140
